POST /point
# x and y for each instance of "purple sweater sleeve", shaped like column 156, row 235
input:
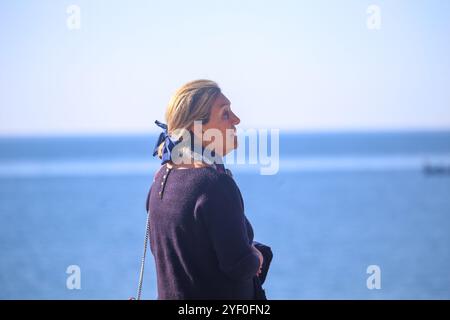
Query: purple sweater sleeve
column 221, row 210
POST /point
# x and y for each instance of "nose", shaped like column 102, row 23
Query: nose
column 235, row 119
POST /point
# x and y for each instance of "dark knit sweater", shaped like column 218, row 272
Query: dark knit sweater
column 200, row 237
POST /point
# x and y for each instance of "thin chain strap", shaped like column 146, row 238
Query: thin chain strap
column 147, row 234
column 141, row 273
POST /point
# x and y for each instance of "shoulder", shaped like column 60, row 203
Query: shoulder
column 207, row 178
column 219, row 190
column 216, row 181
column 198, row 180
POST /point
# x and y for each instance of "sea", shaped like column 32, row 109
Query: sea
column 348, row 215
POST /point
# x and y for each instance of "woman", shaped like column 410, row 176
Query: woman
column 199, row 236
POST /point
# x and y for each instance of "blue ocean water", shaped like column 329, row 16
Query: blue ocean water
column 339, row 203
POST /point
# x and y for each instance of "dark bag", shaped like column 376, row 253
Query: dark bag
column 258, row 281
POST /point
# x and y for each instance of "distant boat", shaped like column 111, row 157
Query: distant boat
column 435, row 169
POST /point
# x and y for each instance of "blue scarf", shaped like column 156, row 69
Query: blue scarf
column 169, row 143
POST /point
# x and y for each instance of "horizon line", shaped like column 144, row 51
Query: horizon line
column 331, row 130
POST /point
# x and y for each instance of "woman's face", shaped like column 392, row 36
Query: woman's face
column 225, row 121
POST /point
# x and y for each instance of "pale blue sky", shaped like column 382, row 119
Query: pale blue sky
column 303, row 65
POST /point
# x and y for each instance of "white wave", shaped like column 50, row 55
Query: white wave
column 148, row 166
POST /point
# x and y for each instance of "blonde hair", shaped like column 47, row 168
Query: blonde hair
column 191, row 102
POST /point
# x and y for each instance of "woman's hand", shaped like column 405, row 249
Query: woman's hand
column 261, row 260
